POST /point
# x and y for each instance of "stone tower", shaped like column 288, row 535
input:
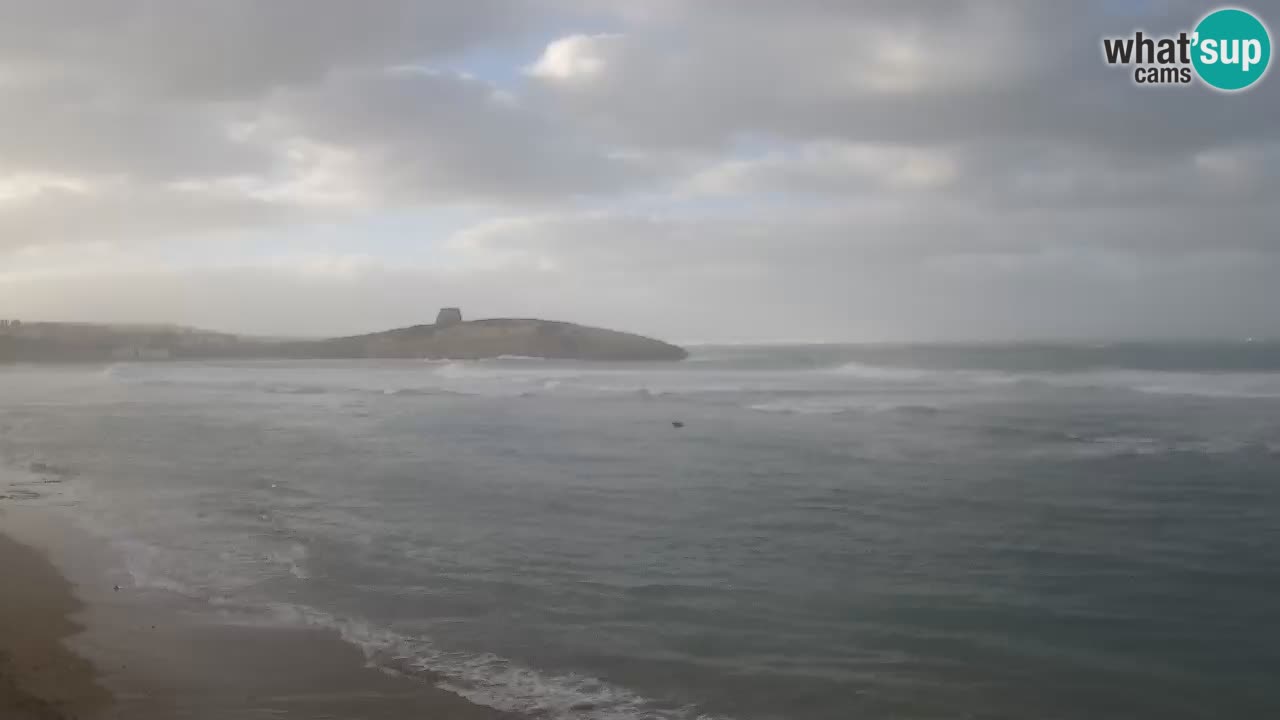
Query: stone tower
column 448, row 316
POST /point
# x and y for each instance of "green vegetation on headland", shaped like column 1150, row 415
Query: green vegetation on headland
column 449, row 337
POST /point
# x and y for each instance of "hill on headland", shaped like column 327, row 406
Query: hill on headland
column 448, row 338
column 494, row 338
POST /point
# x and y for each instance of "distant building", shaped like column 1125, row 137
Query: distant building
column 449, row 316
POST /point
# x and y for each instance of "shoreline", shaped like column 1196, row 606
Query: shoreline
column 40, row 677
column 72, row 647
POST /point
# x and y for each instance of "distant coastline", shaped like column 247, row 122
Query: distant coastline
column 450, row 337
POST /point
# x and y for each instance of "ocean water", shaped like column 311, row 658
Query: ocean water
column 835, row 532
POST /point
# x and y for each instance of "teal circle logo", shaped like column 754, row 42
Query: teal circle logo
column 1231, row 49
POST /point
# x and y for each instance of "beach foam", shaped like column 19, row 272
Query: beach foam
column 488, row 679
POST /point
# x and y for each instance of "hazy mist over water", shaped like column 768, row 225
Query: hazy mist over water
column 836, row 532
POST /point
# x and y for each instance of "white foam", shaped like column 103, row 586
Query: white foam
column 1153, row 382
column 840, row 405
column 516, row 358
column 144, row 564
column 1133, row 445
column 1211, row 385
column 293, row 558
column 490, row 680
column 515, row 376
column 784, row 407
column 878, row 372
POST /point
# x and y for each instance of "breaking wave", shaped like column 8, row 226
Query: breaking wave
column 489, row 680
column 843, row 405
column 1152, row 382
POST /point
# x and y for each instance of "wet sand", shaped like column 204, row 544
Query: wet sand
column 40, row 678
column 87, row 651
column 218, row 671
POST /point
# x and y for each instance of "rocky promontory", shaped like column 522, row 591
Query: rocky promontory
column 450, row 337
column 455, row 339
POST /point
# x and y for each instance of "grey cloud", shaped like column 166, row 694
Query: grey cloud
column 912, row 72
column 240, row 48
column 954, row 274
column 883, row 231
column 787, row 170
column 122, row 212
column 267, row 110
column 433, row 136
column 80, row 128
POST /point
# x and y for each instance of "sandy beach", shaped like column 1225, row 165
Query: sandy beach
column 84, row 650
column 40, row 678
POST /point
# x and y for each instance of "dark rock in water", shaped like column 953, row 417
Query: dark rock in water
column 21, row 495
column 48, row 469
column 677, row 424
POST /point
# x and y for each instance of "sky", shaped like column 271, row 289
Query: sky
column 699, row 170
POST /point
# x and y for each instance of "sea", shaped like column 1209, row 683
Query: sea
column 756, row 533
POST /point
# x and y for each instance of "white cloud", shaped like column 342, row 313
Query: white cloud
column 831, row 167
column 576, row 58
column 426, row 137
column 24, row 187
column 83, row 211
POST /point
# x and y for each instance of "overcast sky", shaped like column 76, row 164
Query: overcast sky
column 705, row 170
